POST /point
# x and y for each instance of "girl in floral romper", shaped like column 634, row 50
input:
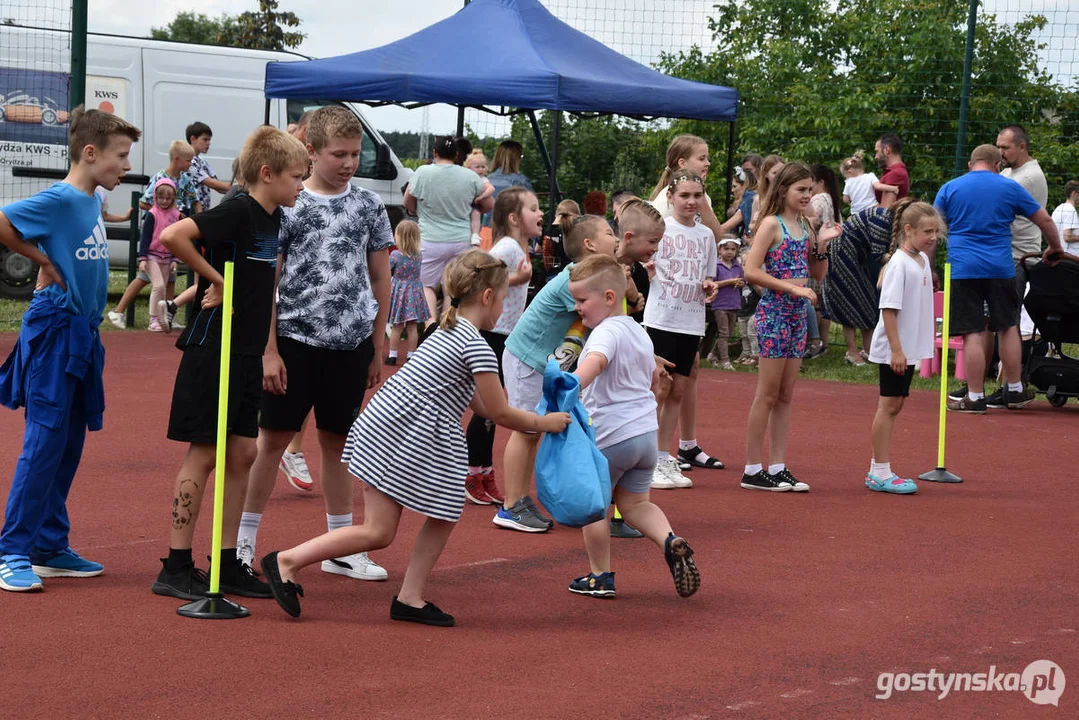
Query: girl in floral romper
column 785, row 253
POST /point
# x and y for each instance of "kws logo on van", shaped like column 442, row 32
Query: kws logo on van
column 94, row 247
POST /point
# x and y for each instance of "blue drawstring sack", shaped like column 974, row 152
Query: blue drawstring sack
column 572, row 479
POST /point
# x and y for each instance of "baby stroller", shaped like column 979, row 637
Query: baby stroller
column 1053, row 304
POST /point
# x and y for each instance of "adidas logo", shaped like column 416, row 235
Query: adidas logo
column 94, row 247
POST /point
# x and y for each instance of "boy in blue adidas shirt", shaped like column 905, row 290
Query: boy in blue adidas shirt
column 55, row 369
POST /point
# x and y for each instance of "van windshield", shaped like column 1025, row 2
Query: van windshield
column 368, row 147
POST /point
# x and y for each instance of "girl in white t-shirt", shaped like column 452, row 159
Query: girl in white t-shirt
column 904, row 333
column 516, row 218
column 617, row 371
column 859, row 187
column 674, row 316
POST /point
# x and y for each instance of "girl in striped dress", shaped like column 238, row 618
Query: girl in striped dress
column 408, row 445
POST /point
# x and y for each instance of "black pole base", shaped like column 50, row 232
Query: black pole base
column 214, row 606
column 940, row 475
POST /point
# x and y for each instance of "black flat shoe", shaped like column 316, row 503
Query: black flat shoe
column 287, row 594
column 429, row 614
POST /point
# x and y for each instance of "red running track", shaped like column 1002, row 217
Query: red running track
column 805, row 599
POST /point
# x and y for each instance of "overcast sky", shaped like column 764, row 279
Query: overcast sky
column 640, row 29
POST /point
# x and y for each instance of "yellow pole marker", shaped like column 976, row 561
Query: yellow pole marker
column 940, row 473
column 215, row 606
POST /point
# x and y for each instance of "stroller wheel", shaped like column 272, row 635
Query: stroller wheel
column 1058, row 400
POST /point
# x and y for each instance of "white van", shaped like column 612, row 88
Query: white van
column 160, row 87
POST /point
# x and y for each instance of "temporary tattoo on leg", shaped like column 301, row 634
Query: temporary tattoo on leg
column 182, row 512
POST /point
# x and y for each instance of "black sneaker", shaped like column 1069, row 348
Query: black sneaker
column 1017, row 400
column 785, row 476
column 763, row 481
column 601, row 586
column 184, row 583
column 622, row 529
column 391, row 361
column 240, row 579
column 996, row 400
column 679, row 556
column 287, row 594
column 962, row 392
column 966, row 405
column 429, row 614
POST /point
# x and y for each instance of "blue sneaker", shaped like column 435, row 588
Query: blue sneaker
column 601, row 585
column 65, row 563
column 893, row 484
column 16, row 575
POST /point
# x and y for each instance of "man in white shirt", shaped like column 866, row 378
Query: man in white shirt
column 1067, row 219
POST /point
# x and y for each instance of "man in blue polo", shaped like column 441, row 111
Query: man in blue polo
column 979, row 208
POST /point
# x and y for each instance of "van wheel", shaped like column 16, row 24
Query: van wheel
column 396, row 215
column 18, row 275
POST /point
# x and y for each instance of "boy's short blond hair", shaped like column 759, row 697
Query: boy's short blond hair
column 329, row 122
column 601, row 273
column 273, row 148
column 94, row 127
column 583, row 228
column 181, row 149
column 638, row 216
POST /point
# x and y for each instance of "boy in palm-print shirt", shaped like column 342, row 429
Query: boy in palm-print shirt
column 325, row 347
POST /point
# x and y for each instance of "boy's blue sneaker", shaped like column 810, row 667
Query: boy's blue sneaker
column 65, row 563
column 16, row 574
column 893, row 484
column 601, row 585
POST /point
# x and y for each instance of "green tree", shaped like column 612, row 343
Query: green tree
column 820, row 80
column 264, row 29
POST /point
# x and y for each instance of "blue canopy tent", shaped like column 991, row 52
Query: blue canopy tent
column 534, row 62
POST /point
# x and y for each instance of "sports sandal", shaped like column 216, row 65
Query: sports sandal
column 693, row 457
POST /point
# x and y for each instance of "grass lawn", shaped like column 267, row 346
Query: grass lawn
column 11, row 311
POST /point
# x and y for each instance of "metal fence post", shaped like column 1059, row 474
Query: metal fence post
column 964, row 98
column 76, row 94
column 133, row 254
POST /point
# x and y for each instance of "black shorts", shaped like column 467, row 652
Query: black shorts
column 330, row 381
column 970, row 298
column 892, row 385
column 193, row 417
column 678, row 348
column 497, row 342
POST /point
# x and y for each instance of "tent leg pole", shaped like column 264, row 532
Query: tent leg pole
column 266, row 120
column 556, row 136
column 460, row 122
column 730, row 169
column 546, row 158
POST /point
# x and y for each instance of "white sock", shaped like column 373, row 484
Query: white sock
column 881, row 470
column 1015, row 387
column 776, row 467
column 409, row 356
column 662, row 456
column 333, row 522
column 475, row 470
column 753, row 469
column 975, row 396
column 872, row 463
column 392, row 353
column 687, row 444
column 249, row 529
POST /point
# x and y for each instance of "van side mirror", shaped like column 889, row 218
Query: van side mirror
column 384, row 167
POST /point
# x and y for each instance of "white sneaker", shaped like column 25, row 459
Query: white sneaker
column 674, row 474
column 294, row 465
column 117, row 319
column 660, row 479
column 357, row 566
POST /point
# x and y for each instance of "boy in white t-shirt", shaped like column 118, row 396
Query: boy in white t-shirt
column 1067, row 219
column 903, row 336
column 858, row 190
column 617, row 371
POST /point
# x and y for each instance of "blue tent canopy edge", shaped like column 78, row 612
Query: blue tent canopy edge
column 536, row 63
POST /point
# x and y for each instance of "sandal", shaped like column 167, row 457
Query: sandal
column 693, row 457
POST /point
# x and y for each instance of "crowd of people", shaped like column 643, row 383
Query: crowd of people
column 325, row 291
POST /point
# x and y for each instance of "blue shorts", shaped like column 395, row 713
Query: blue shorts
column 632, row 462
column 781, row 325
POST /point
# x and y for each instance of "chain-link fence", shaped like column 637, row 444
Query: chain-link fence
column 35, row 62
